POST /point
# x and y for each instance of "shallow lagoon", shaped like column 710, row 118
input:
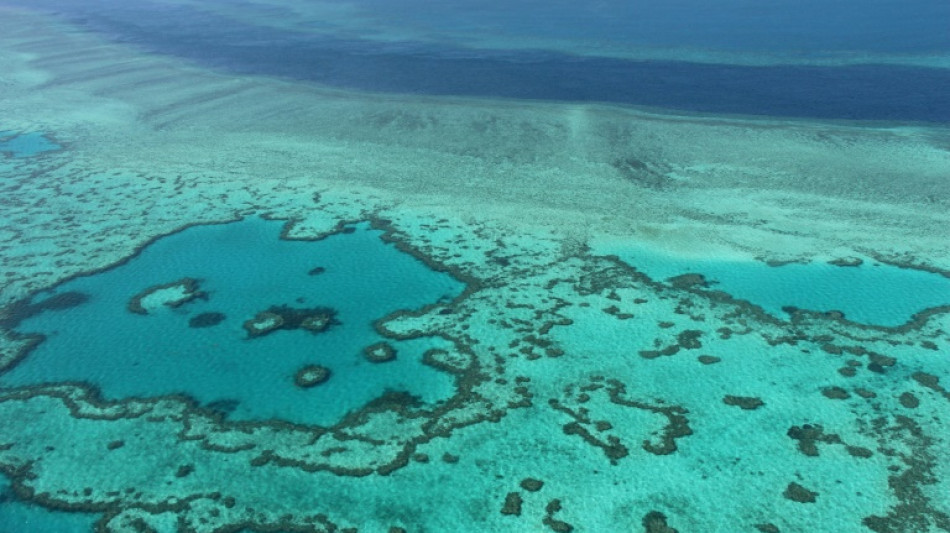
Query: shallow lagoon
column 18, row 515
column 25, row 144
column 871, row 293
column 244, row 268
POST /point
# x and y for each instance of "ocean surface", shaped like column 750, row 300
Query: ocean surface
column 396, row 266
column 440, row 66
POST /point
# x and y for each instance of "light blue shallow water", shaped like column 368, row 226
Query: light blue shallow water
column 25, row 144
column 245, row 269
column 872, row 293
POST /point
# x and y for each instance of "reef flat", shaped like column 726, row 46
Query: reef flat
column 576, row 391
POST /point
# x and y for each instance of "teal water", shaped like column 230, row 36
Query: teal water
column 19, row 516
column 25, row 144
column 244, row 268
column 872, row 293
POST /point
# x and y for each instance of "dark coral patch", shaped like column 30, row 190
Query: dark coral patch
column 846, row 262
column 909, row 401
column 512, row 505
column 689, row 339
column 206, row 320
column 531, row 485
column 311, row 376
column 559, row 526
column 655, row 522
column 835, row 393
column 859, row 451
column 450, row 458
column 865, row 393
column 689, row 281
column 314, row 319
column 800, row 494
column 808, row 437
column 23, row 310
column 744, row 402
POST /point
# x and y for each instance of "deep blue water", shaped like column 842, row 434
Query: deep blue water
column 244, row 268
column 444, row 67
column 798, row 27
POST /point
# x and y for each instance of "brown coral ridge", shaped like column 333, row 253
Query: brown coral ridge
column 472, row 283
column 914, row 510
column 611, row 272
column 556, row 525
column 437, row 424
column 677, row 425
column 846, row 262
column 13, row 314
column 190, row 288
column 452, row 362
column 916, row 322
column 809, row 435
column 314, row 319
column 686, row 340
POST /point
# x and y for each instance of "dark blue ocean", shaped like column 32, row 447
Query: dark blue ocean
column 436, row 61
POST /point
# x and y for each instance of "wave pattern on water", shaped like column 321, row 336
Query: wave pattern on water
column 849, row 92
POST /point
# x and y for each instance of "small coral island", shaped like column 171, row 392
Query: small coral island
column 173, row 294
column 315, row 320
column 380, row 352
column 311, row 376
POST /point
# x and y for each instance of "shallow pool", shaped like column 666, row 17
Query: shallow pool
column 242, row 269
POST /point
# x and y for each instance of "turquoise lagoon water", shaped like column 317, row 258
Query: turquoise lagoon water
column 244, row 268
column 20, row 516
column 871, row 293
column 25, row 144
